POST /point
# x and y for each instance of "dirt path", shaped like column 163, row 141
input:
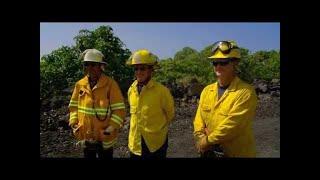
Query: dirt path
column 181, row 144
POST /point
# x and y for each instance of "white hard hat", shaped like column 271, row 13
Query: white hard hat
column 93, row 55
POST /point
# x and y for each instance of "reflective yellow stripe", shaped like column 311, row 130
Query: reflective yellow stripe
column 116, row 119
column 72, row 118
column 91, row 113
column 116, row 105
column 109, row 144
column 73, row 103
column 120, row 107
column 93, row 110
column 86, row 111
column 100, row 109
column 73, row 114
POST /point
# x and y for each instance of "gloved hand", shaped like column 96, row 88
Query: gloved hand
column 81, row 144
column 74, row 127
column 109, row 130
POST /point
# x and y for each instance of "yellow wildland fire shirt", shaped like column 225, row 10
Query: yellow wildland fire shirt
column 228, row 119
column 151, row 112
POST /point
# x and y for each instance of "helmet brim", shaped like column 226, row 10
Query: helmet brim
column 88, row 60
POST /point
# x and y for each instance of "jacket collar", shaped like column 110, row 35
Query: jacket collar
column 101, row 82
column 232, row 87
column 149, row 84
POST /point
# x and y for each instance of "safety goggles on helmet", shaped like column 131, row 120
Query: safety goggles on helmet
column 224, row 46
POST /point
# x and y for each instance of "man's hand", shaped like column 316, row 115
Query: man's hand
column 203, row 144
column 206, row 130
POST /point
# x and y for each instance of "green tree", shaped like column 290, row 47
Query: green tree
column 266, row 65
column 114, row 50
column 188, row 64
column 184, row 53
column 58, row 70
column 206, row 52
column 62, row 67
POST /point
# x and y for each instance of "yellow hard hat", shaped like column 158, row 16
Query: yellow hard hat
column 225, row 49
column 143, row 56
column 93, row 55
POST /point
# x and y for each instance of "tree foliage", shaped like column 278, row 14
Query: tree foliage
column 189, row 64
column 62, row 67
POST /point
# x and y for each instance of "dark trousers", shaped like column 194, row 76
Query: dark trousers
column 215, row 152
column 161, row 153
column 96, row 151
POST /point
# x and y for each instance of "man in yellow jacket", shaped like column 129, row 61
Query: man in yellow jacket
column 151, row 109
column 96, row 108
column 223, row 122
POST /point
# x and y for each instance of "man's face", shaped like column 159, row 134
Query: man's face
column 223, row 68
column 142, row 72
column 93, row 69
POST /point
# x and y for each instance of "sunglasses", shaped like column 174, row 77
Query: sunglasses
column 140, row 68
column 221, row 63
column 86, row 64
column 224, row 46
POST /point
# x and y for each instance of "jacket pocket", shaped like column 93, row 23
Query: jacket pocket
column 205, row 112
column 206, row 108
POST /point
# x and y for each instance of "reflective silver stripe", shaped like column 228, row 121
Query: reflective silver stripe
column 116, row 119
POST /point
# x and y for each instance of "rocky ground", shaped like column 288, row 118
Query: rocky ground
column 56, row 138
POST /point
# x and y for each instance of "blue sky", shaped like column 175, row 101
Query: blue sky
column 165, row 39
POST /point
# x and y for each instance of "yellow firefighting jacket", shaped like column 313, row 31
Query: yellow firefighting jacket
column 94, row 110
column 151, row 112
column 229, row 119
